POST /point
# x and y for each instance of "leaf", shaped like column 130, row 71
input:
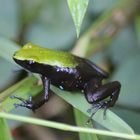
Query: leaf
column 4, row 130
column 24, row 88
column 78, row 9
column 80, row 120
column 77, row 100
column 112, row 121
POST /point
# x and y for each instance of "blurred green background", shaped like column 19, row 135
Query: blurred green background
column 49, row 23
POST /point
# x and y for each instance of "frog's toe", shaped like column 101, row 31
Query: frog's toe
column 19, row 98
column 103, row 105
column 95, row 108
column 25, row 103
column 19, row 105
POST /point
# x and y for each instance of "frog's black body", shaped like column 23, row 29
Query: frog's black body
column 86, row 77
column 71, row 79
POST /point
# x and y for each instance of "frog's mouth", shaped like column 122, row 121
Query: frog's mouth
column 26, row 64
column 33, row 66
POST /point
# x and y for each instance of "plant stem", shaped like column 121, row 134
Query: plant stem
column 66, row 127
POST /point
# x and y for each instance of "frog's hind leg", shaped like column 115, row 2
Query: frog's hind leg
column 96, row 95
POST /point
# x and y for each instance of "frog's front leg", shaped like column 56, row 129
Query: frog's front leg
column 30, row 104
column 95, row 94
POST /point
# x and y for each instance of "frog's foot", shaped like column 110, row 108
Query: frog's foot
column 25, row 103
column 96, row 107
column 104, row 105
column 93, row 107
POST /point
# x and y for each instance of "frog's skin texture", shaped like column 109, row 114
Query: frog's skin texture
column 68, row 72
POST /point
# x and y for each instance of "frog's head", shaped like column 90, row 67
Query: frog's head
column 31, row 55
column 27, row 56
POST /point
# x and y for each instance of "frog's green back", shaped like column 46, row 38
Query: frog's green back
column 46, row 56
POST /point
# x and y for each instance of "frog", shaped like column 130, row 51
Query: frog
column 67, row 72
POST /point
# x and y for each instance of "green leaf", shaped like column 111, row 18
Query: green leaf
column 112, row 121
column 23, row 88
column 78, row 9
column 77, row 100
column 4, row 130
column 80, row 120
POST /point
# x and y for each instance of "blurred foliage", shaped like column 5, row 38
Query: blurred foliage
column 5, row 135
column 49, row 23
column 9, row 18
